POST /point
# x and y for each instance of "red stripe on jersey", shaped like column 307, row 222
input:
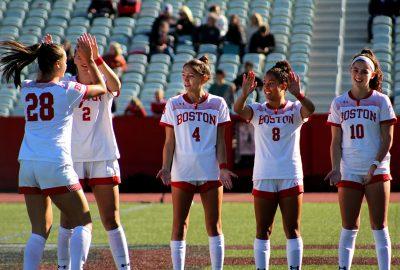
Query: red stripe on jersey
column 163, row 124
column 389, row 122
column 333, row 124
column 29, row 190
column 62, row 189
column 224, row 123
column 294, row 191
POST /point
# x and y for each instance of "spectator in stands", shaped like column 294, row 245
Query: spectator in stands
column 167, row 16
column 135, row 108
column 161, row 42
column 209, row 33
column 185, row 25
column 222, row 88
column 248, row 66
column 115, row 60
column 262, row 41
column 71, row 68
column 128, row 8
column 256, row 21
column 389, row 8
column 158, row 105
column 101, row 8
column 222, row 21
column 235, row 34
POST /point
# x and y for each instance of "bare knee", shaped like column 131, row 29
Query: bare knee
column 179, row 230
column 350, row 226
column 42, row 229
column 214, row 228
column 293, row 233
column 83, row 219
column 263, row 233
column 378, row 225
column 110, row 222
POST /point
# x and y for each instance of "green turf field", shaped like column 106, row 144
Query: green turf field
column 148, row 226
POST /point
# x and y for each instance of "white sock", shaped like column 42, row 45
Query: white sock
column 178, row 252
column 383, row 248
column 119, row 248
column 217, row 250
column 262, row 252
column 294, row 253
column 34, row 251
column 347, row 245
column 63, row 255
column 80, row 244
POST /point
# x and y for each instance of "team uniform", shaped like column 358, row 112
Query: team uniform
column 45, row 155
column 94, row 148
column 195, row 165
column 360, row 122
column 277, row 164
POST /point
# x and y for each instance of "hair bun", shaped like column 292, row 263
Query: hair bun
column 204, row 59
column 284, row 66
column 367, row 51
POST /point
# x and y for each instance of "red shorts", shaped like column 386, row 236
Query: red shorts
column 354, row 184
column 113, row 180
column 199, row 186
column 273, row 189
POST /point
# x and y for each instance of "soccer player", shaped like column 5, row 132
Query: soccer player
column 194, row 146
column 95, row 153
column 362, row 133
column 278, row 173
column 46, row 170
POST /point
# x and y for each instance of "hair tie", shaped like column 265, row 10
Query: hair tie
column 366, row 60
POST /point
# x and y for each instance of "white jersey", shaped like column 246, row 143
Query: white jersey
column 93, row 136
column 277, row 141
column 360, row 122
column 48, row 115
column 195, row 127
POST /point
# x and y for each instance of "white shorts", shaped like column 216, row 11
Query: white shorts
column 356, row 181
column 48, row 178
column 277, row 188
column 98, row 172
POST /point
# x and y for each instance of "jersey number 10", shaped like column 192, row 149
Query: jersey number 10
column 357, row 131
column 46, row 111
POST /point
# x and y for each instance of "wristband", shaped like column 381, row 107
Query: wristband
column 376, row 163
column 223, row 166
column 99, row 61
column 300, row 96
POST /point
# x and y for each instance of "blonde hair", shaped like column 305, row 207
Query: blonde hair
column 188, row 13
column 117, row 48
column 258, row 17
column 200, row 66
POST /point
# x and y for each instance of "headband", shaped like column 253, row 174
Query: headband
column 366, row 60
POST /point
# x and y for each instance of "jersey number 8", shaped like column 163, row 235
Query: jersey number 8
column 276, row 134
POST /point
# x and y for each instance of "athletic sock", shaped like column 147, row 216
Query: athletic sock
column 119, row 248
column 34, row 251
column 383, row 248
column 63, row 244
column 347, row 245
column 262, row 252
column 80, row 244
column 217, row 250
column 178, row 252
column 294, row 253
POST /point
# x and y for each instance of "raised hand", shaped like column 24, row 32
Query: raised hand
column 47, row 39
column 84, row 48
column 165, row 176
column 294, row 84
column 225, row 176
column 95, row 47
column 249, row 83
column 333, row 177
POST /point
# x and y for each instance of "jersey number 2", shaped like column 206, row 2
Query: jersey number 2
column 196, row 134
column 86, row 114
column 46, row 111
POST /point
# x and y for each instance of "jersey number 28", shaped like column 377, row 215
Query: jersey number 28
column 46, row 111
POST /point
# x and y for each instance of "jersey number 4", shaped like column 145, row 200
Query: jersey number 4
column 196, row 134
column 357, row 131
column 46, row 111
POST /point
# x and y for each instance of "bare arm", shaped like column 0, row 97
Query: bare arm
column 248, row 86
column 334, row 176
column 168, row 154
column 221, row 147
column 307, row 107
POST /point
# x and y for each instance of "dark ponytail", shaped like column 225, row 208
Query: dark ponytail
column 376, row 82
column 281, row 71
column 17, row 56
